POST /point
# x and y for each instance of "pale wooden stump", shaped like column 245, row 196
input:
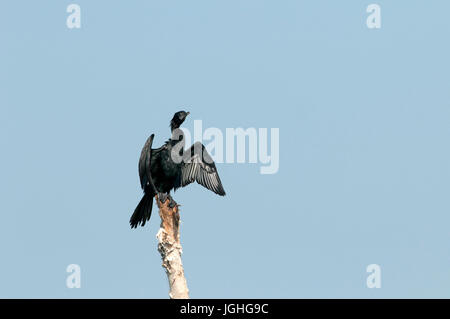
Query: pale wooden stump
column 170, row 249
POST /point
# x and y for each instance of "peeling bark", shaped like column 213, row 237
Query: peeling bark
column 170, row 249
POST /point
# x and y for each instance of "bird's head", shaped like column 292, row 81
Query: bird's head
column 178, row 119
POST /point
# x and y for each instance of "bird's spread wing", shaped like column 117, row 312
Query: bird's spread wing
column 144, row 162
column 199, row 166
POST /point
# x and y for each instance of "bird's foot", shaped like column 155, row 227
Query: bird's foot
column 162, row 197
column 172, row 203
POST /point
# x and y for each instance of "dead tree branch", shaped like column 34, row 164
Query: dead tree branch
column 170, row 249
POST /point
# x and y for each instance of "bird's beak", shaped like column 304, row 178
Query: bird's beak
column 187, row 113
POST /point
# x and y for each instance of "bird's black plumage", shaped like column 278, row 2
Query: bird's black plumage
column 170, row 167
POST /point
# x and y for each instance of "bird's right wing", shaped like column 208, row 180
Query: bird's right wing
column 144, row 162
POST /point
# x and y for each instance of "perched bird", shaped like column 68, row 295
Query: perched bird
column 170, row 167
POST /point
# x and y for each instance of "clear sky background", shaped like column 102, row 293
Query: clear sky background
column 364, row 146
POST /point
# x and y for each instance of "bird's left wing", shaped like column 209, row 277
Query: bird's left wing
column 144, row 162
column 199, row 166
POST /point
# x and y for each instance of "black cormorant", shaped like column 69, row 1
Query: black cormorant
column 170, row 167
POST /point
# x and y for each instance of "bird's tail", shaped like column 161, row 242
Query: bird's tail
column 143, row 211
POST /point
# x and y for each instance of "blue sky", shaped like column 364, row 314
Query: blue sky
column 364, row 158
